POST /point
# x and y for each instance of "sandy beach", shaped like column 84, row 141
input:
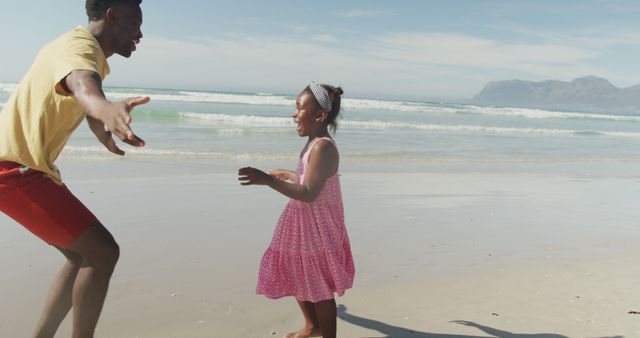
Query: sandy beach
column 446, row 250
column 489, row 154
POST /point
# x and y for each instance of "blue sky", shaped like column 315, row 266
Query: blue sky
column 401, row 49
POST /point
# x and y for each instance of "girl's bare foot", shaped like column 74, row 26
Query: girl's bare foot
column 304, row 333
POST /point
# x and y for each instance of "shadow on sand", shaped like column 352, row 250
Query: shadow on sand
column 399, row 332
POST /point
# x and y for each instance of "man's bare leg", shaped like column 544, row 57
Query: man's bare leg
column 100, row 254
column 59, row 298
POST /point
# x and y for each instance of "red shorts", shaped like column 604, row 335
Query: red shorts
column 48, row 210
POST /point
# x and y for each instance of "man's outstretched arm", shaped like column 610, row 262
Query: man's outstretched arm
column 86, row 87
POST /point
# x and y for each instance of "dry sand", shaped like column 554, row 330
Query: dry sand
column 460, row 251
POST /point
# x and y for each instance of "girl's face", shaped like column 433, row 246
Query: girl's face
column 309, row 118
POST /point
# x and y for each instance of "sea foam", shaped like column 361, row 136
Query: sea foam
column 250, row 121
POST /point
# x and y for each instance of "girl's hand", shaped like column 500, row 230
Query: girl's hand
column 284, row 175
column 251, row 176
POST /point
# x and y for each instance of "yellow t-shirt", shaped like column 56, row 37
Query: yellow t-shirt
column 38, row 119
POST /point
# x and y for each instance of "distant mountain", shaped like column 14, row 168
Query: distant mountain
column 586, row 93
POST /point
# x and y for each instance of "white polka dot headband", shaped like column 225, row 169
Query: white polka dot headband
column 321, row 95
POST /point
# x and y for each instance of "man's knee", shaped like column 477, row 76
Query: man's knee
column 115, row 252
column 110, row 250
column 110, row 254
column 98, row 248
column 73, row 258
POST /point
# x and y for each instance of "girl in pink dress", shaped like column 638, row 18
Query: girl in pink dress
column 309, row 256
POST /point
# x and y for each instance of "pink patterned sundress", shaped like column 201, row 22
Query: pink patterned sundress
column 310, row 255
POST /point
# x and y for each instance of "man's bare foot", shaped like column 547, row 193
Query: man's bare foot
column 304, row 333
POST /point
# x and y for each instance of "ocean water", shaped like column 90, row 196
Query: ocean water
column 246, row 127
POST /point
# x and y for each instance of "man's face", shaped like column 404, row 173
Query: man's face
column 126, row 20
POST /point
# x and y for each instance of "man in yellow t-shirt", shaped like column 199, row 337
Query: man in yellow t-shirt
column 62, row 87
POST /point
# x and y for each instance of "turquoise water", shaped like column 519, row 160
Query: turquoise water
column 213, row 125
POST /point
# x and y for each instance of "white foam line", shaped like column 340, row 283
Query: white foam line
column 363, row 104
column 258, row 121
column 240, row 120
column 8, row 87
column 543, row 114
column 185, row 96
column 100, row 153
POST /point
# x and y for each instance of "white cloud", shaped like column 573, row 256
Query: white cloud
column 595, row 38
column 268, row 63
column 394, row 64
column 324, row 38
column 462, row 50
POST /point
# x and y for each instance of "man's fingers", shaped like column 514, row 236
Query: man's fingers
column 136, row 101
column 119, row 125
column 111, row 145
column 129, row 135
column 124, row 132
column 124, row 120
column 135, row 141
column 117, row 151
column 119, row 134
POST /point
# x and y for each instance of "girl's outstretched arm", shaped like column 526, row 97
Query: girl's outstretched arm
column 323, row 163
column 283, row 174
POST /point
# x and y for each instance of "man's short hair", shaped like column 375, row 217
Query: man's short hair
column 97, row 8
